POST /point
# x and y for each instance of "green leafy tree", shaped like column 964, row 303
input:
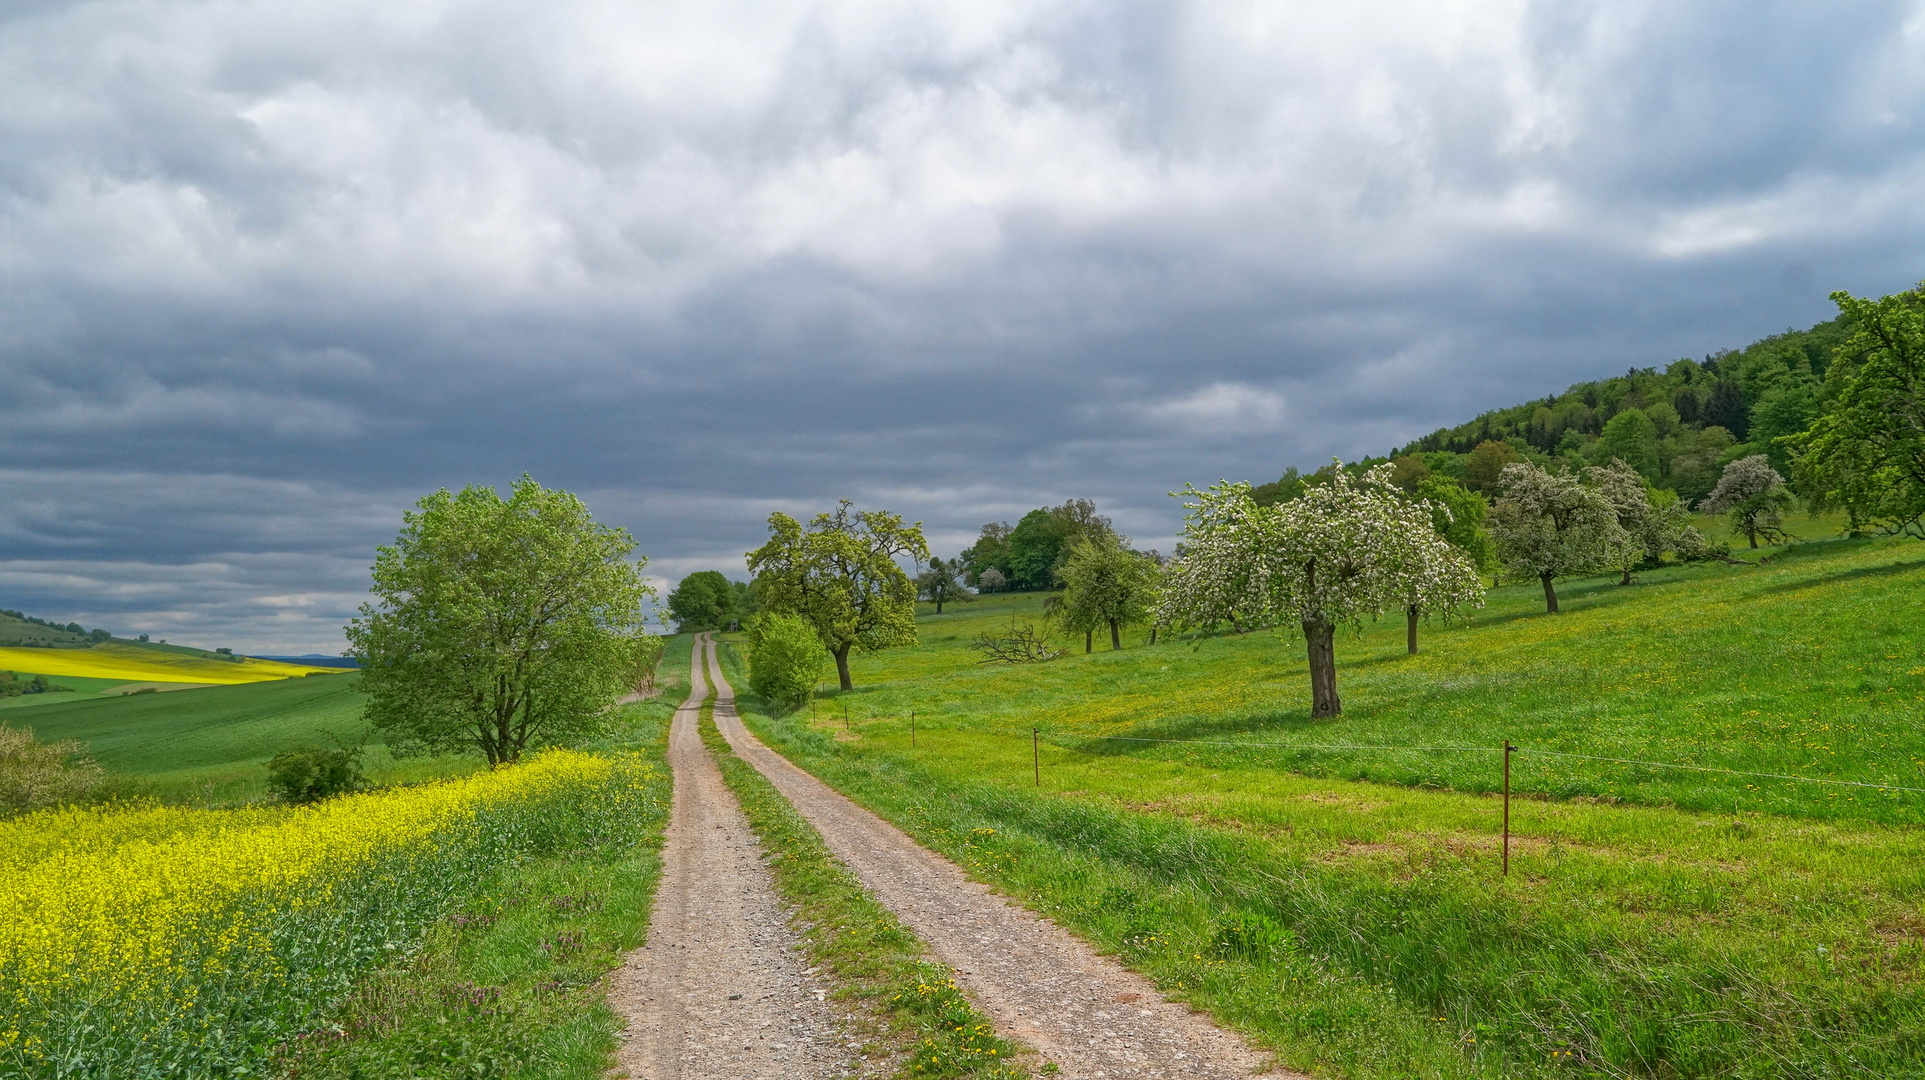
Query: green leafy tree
column 1550, row 525
column 1488, row 462
column 786, row 660
column 1866, row 451
column 704, row 600
column 1754, row 497
column 1034, row 544
column 989, row 552
column 1630, row 437
column 1105, row 584
column 840, row 576
column 500, row 624
column 940, row 584
column 1342, row 552
column 1458, row 514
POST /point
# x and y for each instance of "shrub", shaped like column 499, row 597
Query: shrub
column 35, row 774
column 313, row 773
column 786, row 659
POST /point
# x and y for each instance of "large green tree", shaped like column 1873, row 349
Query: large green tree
column 499, row 624
column 840, row 575
column 1630, row 437
column 1867, row 450
column 704, row 600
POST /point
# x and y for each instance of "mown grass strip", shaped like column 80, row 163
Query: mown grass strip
column 917, row 1011
column 512, row 987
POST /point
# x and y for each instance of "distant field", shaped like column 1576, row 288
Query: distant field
column 142, row 663
column 213, row 744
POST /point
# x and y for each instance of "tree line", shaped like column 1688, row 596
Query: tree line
column 503, row 624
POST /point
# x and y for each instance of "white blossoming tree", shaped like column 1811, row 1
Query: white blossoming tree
column 1343, row 552
column 1656, row 522
column 1755, row 498
column 1551, row 525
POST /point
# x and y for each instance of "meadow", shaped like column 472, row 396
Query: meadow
column 1347, row 908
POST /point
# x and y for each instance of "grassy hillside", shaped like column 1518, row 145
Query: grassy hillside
column 140, row 662
column 214, row 743
column 1809, row 665
column 1346, row 906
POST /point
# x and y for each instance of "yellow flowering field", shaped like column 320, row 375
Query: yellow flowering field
column 157, row 941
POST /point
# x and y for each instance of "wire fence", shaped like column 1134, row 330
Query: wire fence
column 1057, row 738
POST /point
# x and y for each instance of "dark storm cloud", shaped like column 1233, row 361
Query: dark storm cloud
column 270, row 271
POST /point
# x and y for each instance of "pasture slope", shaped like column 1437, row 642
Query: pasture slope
column 212, row 744
column 1346, row 905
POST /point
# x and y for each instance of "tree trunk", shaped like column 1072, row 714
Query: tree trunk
column 842, row 668
column 939, row 603
column 1753, row 534
column 1116, row 637
column 1153, row 629
column 1089, row 639
column 1410, row 628
column 1626, row 579
column 1550, row 594
column 1320, row 640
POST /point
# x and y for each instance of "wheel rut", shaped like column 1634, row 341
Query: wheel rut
column 1042, row 985
column 721, row 990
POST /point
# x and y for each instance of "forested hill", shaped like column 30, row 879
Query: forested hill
column 1677, row 426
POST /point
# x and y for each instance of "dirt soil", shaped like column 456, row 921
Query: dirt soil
column 1041, row 985
column 722, row 989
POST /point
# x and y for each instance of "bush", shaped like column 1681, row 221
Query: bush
column 313, row 773
column 786, row 659
column 36, row 774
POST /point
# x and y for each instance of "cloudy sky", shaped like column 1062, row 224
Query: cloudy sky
column 270, row 271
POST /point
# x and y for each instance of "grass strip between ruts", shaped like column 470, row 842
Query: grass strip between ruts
column 913, row 1002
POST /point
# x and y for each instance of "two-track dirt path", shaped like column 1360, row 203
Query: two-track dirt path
column 1040, row 984
column 721, row 991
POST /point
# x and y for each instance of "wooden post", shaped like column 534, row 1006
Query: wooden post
column 1036, row 753
column 1508, row 748
column 912, row 729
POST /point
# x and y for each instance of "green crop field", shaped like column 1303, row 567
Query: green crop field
column 213, row 743
column 1346, row 906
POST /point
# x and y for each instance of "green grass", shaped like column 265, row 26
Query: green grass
column 212, row 744
column 917, row 1014
column 1346, row 908
column 1812, row 665
column 513, row 987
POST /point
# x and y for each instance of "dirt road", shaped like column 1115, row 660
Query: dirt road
column 1082, row 1011
column 721, row 990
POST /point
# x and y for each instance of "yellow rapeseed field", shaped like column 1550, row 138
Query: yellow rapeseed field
column 135, row 664
column 163, row 940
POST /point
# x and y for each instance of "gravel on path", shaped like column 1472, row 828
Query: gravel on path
column 1042, row 985
column 722, row 989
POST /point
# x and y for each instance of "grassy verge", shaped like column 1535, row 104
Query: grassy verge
column 916, row 1013
column 512, row 987
column 1362, row 929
